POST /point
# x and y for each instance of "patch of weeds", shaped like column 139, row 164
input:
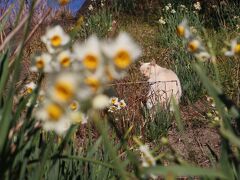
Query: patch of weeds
column 169, row 18
column 98, row 23
column 157, row 123
column 197, row 122
column 191, row 85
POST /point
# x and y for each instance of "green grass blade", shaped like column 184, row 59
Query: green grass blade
column 102, row 127
column 231, row 137
column 177, row 116
column 3, row 72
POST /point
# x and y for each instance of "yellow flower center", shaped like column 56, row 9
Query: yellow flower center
column 113, row 108
column 56, row 40
column 237, row 49
column 90, row 62
column 93, row 83
column 122, row 59
column 73, row 106
column 180, row 30
column 193, row 45
column 29, row 90
column 122, row 104
column 63, row 2
column 114, row 101
column 40, row 64
column 65, row 62
column 64, row 91
column 54, row 112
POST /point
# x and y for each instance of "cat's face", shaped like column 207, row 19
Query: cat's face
column 147, row 69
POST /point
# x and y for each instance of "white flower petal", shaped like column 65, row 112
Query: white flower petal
column 100, row 101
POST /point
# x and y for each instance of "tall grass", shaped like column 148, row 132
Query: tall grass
column 98, row 22
column 180, row 60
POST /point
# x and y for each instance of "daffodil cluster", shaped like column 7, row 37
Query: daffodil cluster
column 193, row 44
column 77, row 75
column 116, row 105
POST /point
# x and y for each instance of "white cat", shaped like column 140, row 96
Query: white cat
column 164, row 84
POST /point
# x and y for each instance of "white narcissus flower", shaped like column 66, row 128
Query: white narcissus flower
column 90, row 7
column 30, row 87
column 194, row 45
column 64, row 59
column 89, row 54
column 122, row 104
column 64, row 87
column 55, row 38
column 42, row 62
column 235, row 48
column 183, row 6
column 197, row 6
column 74, row 106
column 100, row 101
column 53, row 117
column 147, row 158
column 183, row 30
column 112, row 109
column 173, row 11
column 121, row 53
column 93, row 84
column 114, row 100
column 78, row 117
column 162, row 21
column 167, row 8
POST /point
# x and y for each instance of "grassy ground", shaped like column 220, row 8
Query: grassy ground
column 197, row 133
column 198, row 142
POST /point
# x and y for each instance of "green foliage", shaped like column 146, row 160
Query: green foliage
column 230, row 81
column 167, row 36
column 157, row 123
column 127, row 6
column 222, row 14
column 180, row 60
column 98, row 23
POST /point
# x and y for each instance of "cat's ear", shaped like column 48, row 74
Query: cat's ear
column 153, row 62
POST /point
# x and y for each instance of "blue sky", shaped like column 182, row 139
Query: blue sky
column 74, row 5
